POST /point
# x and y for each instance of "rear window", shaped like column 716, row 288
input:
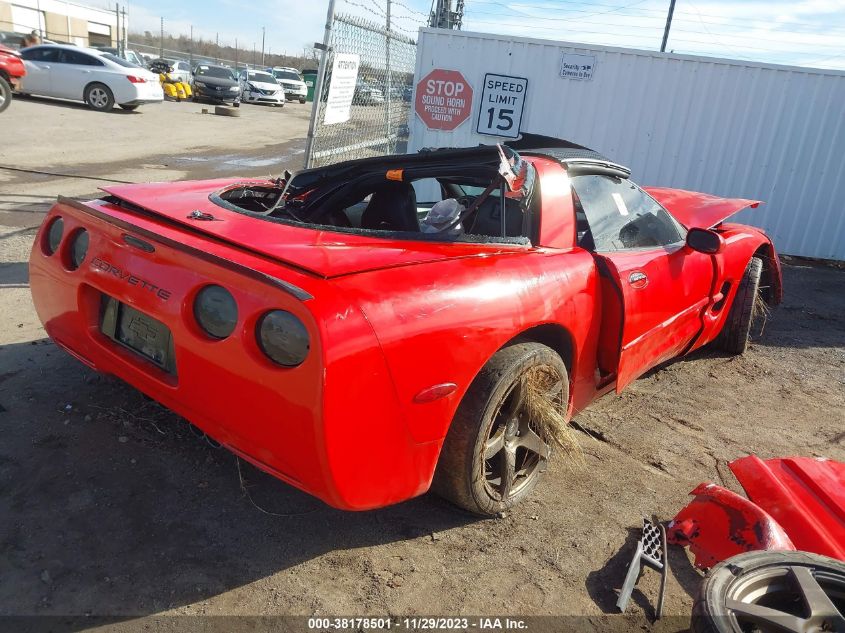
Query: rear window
column 119, row 60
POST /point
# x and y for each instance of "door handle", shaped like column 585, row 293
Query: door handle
column 638, row 279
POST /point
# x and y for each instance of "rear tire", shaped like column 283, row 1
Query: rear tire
column 762, row 578
column 99, row 97
column 302, row 101
column 469, row 462
column 5, row 94
column 733, row 338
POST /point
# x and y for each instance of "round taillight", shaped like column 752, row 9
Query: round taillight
column 216, row 311
column 54, row 236
column 78, row 248
column 283, row 338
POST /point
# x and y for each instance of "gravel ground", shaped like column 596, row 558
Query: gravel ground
column 111, row 504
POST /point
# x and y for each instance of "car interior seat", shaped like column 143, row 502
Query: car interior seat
column 488, row 218
column 392, row 207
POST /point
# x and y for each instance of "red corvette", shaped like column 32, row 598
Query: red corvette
column 360, row 330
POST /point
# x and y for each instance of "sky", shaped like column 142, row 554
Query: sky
column 794, row 32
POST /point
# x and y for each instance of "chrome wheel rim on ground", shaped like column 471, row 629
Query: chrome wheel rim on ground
column 514, row 451
column 789, row 599
column 98, row 98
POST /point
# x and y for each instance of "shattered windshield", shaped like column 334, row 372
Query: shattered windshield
column 478, row 192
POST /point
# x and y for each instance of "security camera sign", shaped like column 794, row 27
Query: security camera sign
column 575, row 66
column 502, row 102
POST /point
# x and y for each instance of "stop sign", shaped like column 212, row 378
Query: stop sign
column 444, row 99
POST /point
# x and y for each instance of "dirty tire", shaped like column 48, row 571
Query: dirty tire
column 733, row 338
column 99, row 97
column 5, row 93
column 710, row 613
column 460, row 473
column 226, row 111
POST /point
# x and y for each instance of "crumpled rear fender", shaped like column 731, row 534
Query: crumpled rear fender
column 719, row 524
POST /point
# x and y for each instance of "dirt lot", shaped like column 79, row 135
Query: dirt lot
column 111, row 505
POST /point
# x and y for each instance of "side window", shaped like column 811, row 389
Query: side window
column 618, row 215
column 43, row 54
column 78, row 58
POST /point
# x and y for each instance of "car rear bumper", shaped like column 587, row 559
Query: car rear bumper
column 313, row 426
column 136, row 102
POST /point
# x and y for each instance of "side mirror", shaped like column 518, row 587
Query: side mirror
column 705, row 241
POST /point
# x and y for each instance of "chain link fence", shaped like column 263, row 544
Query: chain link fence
column 378, row 121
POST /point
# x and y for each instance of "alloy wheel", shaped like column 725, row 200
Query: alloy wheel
column 789, row 599
column 514, row 452
column 98, row 98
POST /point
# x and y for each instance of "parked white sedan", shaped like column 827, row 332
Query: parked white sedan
column 97, row 78
column 260, row 87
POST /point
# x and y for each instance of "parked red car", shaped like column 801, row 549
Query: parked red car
column 313, row 326
column 11, row 71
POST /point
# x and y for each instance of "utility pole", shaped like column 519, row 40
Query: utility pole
column 191, row 48
column 318, row 85
column 216, row 47
column 442, row 17
column 118, row 39
column 668, row 26
column 236, row 54
column 161, row 40
column 125, row 30
column 262, row 45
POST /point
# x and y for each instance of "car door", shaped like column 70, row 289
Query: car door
column 655, row 289
column 74, row 71
column 39, row 62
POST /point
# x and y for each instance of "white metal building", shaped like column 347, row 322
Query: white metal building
column 727, row 127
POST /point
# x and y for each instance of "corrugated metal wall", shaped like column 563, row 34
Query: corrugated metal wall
column 727, row 127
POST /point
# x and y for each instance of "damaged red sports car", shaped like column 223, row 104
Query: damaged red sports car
column 361, row 330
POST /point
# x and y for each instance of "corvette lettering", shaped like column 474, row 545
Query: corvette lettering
column 132, row 280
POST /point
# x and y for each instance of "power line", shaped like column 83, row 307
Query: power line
column 639, row 37
column 655, row 28
column 656, row 14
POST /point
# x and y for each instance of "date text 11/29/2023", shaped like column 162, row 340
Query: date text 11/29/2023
column 417, row 623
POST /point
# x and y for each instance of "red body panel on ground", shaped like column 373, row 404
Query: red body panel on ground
column 388, row 319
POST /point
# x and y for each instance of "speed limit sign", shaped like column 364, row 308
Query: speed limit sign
column 502, row 101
